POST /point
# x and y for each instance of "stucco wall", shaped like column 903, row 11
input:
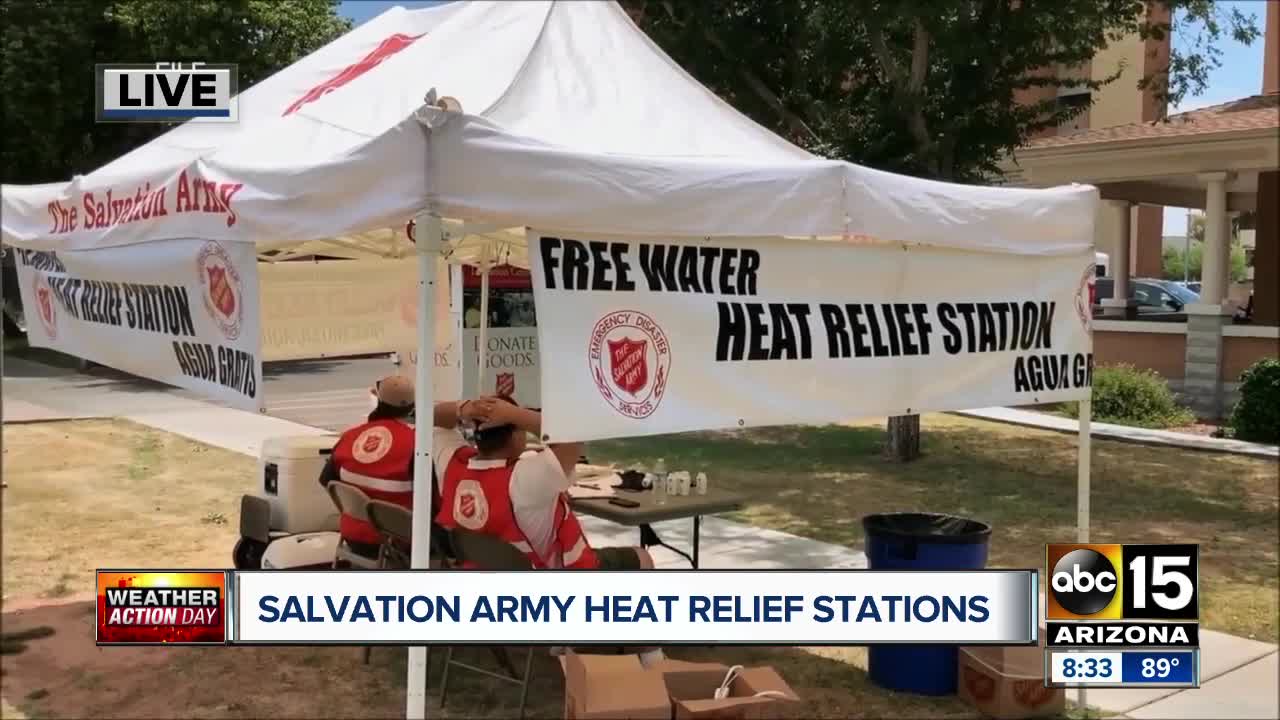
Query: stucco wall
column 1238, row 353
column 1164, row 353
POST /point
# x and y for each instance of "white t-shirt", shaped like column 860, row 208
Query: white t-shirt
column 536, row 482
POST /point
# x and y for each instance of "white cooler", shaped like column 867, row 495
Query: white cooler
column 289, row 479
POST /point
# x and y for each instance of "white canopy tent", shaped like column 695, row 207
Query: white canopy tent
column 562, row 115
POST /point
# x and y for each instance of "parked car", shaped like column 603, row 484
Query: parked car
column 1154, row 297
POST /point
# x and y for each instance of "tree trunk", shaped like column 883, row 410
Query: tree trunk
column 904, row 438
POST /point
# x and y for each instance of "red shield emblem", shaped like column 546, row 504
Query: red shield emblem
column 506, row 384
column 628, row 363
column 467, row 506
column 385, row 49
column 220, row 292
column 371, row 443
column 45, row 297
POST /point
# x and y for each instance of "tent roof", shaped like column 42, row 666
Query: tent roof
column 572, row 120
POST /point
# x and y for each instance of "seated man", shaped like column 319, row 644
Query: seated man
column 494, row 488
column 377, row 457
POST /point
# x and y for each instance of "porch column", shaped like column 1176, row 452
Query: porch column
column 1115, row 223
column 1205, row 320
column 1266, row 253
column 1216, row 263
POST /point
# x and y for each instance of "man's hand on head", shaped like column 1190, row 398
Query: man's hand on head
column 498, row 412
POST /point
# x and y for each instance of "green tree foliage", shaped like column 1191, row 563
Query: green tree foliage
column 1126, row 395
column 923, row 88
column 1174, row 259
column 48, row 49
column 1256, row 417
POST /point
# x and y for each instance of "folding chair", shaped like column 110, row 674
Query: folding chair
column 352, row 501
column 395, row 524
column 489, row 553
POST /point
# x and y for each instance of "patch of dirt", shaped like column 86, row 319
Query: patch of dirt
column 1200, row 428
column 63, row 674
column 102, row 493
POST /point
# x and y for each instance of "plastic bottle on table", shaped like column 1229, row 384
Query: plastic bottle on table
column 700, row 483
column 660, row 481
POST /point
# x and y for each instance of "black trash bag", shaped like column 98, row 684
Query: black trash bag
column 927, row 528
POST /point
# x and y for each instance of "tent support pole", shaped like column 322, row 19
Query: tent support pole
column 481, row 387
column 1082, row 496
column 429, row 243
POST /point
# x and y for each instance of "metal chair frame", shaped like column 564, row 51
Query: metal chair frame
column 490, row 553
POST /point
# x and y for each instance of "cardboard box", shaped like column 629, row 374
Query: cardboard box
column 692, row 694
column 1007, row 683
column 612, row 686
column 618, row 686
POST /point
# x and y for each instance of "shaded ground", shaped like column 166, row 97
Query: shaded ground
column 155, row 500
column 819, row 482
column 99, row 494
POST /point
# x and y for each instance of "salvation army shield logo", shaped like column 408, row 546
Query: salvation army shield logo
column 505, row 384
column 222, row 289
column 372, row 445
column 470, row 509
column 45, row 307
column 1087, row 295
column 630, row 362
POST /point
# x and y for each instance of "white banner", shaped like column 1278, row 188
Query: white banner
column 652, row 607
column 336, row 308
column 446, row 376
column 513, row 365
column 183, row 312
column 653, row 336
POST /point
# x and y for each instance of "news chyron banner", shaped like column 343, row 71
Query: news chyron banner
column 555, row 607
column 654, row 336
column 182, row 312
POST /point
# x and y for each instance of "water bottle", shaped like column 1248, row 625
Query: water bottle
column 660, row 481
column 700, row 483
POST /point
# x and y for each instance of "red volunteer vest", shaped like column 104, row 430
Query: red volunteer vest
column 480, row 501
column 376, row 457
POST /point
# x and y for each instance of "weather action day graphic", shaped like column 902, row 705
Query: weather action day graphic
column 150, row 607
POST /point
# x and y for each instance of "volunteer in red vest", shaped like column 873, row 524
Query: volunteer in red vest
column 377, row 457
column 498, row 489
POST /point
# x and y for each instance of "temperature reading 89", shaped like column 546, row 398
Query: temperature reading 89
column 1158, row 667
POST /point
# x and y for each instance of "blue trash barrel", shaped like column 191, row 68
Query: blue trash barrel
column 921, row 541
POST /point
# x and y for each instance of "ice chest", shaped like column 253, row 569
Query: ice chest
column 692, row 693
column 1007, row 683
column 289, row 478
column 612, row 686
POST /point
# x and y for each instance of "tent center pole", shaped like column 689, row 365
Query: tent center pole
column 429, row 241
column 483, row 351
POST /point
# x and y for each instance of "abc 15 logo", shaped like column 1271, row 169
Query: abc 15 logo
column 1123, row 582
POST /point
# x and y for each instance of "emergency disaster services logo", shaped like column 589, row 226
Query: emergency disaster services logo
column 372, row 445
column 1087, row 295
column 630, row 361
column 45, row 306
column 223, row 291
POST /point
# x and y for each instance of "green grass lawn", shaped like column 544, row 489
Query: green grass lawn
column 818, row 482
